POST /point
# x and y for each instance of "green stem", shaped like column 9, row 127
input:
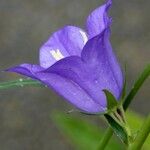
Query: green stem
column 19, row 83
column 105, row 139
column 137, row 85
column 141, row 137
column 145, row 74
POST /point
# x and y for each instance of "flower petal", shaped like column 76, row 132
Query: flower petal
column 28, row 70
column 99, row 55
column 71, row 92
column 66, row 42
column 76, row 70
column 66, row 88
column 98, row 20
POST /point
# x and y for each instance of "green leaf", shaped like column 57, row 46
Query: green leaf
column 119, row 130
column 82, row 134
column 139, row 82
column 20, row 83
column 111, row 100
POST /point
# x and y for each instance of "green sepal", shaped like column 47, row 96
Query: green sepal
column 124, row 89
column 94, row 114
column 118, row 129
column 125, row 83
column 116, row 118
column 111, row 100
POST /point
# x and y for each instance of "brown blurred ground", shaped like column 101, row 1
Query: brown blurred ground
column 24, row 25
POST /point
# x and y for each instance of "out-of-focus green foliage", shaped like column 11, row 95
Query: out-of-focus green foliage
column 85, row 135
column 82, row 133
column 135, row 121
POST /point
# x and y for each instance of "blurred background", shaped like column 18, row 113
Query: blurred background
column 25, row 113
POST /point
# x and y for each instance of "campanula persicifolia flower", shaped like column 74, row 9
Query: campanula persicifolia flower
column 80, row 64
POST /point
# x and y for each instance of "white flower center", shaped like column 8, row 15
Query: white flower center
column 84, row 36
column 57, row 54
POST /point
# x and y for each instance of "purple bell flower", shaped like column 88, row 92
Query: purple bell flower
column 79, row 65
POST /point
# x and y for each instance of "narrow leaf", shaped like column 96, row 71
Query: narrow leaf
column 19, row 83
column 82, row 134
column 145, row 74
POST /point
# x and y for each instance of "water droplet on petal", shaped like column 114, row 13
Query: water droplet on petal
column 96, row 81
column 74, row 94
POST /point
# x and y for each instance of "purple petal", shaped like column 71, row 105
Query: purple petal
column 98, row 20
column 97, row 70
column 98, row 54
column 66, row 42
column 28, row 70
column 71, row 92
column 65, row 87
column 74, row 69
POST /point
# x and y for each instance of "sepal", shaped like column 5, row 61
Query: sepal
column 111, row 101
column 117, row 121
column 115, row 116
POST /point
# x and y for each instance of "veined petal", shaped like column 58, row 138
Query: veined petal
column 71, row 91
column 75, row 69
column 66, row 42
column 98, row 20
column 99, row 56
column 28, row 70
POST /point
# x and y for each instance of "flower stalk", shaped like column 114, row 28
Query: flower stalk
column 105, row 139
column 141, row 137
column 20, row 83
